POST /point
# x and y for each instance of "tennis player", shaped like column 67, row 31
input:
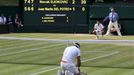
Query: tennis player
column 67, row 62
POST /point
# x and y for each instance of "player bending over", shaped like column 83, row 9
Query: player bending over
column 67, row 62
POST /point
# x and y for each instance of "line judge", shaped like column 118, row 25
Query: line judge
column 113, row 17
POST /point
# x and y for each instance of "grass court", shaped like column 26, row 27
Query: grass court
column 20, row 54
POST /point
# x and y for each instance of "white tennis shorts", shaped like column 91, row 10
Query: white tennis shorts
column 70, row 67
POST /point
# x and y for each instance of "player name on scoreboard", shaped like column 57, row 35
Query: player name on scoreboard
column 54, row 1
column 51, row 17
column 55, row 11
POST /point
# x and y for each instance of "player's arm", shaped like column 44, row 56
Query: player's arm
column 95, row 28
column 79, row 58
column 78, row 61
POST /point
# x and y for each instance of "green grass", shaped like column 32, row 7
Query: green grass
column 23, row 57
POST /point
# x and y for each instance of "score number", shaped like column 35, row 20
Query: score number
column 29, row 1
column 30, row 6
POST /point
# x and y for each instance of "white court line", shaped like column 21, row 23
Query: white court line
column 23, row 45
column 11, row 53
column 45, row 71
column 95, row 51
column 100, row 56
column 59, row 40
column 81, row 61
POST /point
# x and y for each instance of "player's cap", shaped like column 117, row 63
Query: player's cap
column 77, row 45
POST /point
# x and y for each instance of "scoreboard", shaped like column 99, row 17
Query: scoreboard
column 55, row 12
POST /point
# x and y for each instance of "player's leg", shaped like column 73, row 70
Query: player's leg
column 78, row 72
column 97, row 34
column 94, row 32
column 73, row 69
column 68, row 73
column 59, row 72
column 109, row 27
column 100, row 34
column 117, row 28
column 63, row 68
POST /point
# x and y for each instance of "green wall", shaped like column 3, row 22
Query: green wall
column 9, row 10
column 100, row 11
column 54, row 29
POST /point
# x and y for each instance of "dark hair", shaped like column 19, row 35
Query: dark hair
column 77, row 45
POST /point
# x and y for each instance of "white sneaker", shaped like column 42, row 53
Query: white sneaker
column 68, row 73
column 59, row 72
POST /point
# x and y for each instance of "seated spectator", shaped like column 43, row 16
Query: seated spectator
column 9, row 20
column 18, row 21
column 2, row 19
column 98, row 30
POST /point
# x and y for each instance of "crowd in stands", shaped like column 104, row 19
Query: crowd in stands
column 16, row 21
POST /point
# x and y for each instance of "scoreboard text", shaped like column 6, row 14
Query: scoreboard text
column 55, row 12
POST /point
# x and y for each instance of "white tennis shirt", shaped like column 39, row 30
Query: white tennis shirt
column 70, row 54
column 98, row 27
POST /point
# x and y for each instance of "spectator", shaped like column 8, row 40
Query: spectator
column 2, row 19
column 113, row 17
column 98, row 30
column 18, row 21
column 9, row 20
